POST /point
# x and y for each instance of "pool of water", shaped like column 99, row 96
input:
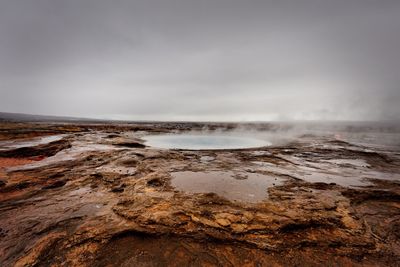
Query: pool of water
column 13, row 144
column 203, row 142
column 243, row 187
column 327, row 171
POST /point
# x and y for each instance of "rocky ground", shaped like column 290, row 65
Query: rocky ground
column 95, row 195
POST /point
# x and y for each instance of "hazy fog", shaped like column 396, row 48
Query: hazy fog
column 201, row 60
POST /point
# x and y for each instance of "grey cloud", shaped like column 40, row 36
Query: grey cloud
column 201, row 60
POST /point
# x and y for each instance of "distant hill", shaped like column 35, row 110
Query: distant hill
column 6, row 116
column 385, row 126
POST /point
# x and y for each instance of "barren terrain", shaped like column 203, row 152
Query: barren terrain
column 93, row 194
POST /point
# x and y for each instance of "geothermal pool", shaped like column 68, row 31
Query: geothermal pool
column 203, row 142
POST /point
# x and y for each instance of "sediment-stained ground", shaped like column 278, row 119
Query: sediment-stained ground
column 96, row 195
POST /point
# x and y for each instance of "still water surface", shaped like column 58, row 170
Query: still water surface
column 203, row 142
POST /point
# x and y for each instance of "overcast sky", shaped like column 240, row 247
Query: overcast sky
column 201, row 59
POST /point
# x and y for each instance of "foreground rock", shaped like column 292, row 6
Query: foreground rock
column 109, row 201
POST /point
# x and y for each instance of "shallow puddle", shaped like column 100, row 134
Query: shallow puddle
column 77, row 149
column 245, row 187
column 339, row 179
column 351, row 162
column 203, row 142
column 346, row 177
column 5, row 145
column 207, row 159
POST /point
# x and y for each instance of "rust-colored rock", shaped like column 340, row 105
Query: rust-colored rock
column 95, row 198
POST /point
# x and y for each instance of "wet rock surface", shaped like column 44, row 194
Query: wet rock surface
column 99, row 197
